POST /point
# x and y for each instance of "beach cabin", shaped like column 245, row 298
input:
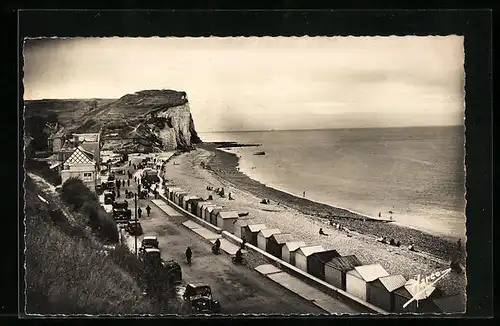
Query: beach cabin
column 381, row 293
column 200, row 206
column 185, row 200
column 251, row 232
column 303, row 252
column 191, row 205
column 208, row 210
column 276, row 242
column 177, row 196
column 210, row 214
column 225, row 220
column 316, row 262
column 336, row 269
column 171, row 191
column 239, row 226
column 263, row 237
column 288, row 251
column 357, row 279
column 451, row 304
column 425, row 302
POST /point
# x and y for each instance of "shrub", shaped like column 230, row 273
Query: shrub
column 85, row 202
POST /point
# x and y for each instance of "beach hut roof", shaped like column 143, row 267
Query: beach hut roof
column 451, row 304
column 230, row 214
column 269, row 232
column 326, row 255
column 194, row 198
column 294, row 245
column 369, row 273
column 204, row 203
column 189, row 197
column 417, row 292
column 309, row 250
column 282, row 238
column 392, row 282
column 213, row 208
column 345, row 263
column 216, row 210
column 243, row 221
column 256, row 227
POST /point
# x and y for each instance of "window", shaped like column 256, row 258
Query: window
column 87, row 176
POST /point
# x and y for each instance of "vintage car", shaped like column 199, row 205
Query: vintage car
column 109, row 198
column 122, row 214
column 149, row 241
column 198, row 299
column 134, row 228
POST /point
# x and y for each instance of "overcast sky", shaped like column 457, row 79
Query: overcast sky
column 265, row 83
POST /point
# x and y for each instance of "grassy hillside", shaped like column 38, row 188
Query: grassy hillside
column 69, row 271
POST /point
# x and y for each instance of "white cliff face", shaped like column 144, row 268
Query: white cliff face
column 178, row 134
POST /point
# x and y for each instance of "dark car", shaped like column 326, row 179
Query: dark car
column 134, row 228
column 198, row 298
column 109, row 198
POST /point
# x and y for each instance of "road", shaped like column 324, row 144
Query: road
column 239, row 289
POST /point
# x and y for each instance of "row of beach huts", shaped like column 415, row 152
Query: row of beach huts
column 368, row 282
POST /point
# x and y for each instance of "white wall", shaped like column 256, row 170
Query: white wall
column 285, row 254
column 261, row 242
column 356, row 286
column 301, row 261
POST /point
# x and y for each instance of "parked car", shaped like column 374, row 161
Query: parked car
column 198, row 299
column 109, row 198
column 134, row 228
column 149, row 241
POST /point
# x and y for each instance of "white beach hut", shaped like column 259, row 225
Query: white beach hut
column 240, row 224
column 225, row 220
column 208, row 212
column 263, row 237
column 204, row 210
column 358, row 278
column 184, row 203
column 200, row 206
column 289, row 249
column 177, row 196
column 303, row 252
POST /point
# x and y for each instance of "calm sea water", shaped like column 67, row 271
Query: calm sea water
column 418, row 173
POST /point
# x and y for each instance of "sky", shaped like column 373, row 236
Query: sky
column 284, row 83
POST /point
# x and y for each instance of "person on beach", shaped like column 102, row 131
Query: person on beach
column 411, row 247
column 398, row 244
column 321, row 232
column 379, row 214
column 304, row 194
column 392, row 243
column 148, row 210
column 128, row 183
column 139, row 212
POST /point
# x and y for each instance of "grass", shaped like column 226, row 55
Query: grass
column 66, row 273
column 83, row 201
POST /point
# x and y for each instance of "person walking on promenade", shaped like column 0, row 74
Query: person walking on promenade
column 243, row 241
column 148, row 210
column 189, row 254
column 128, row 183
column 139, row 212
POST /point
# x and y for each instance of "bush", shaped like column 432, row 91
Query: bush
column 85, row 202
column 42, row 169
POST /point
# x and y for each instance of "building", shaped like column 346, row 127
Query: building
column 381, row 293
column 451, row 304
column 316, row 262
column 263, row 237
column 239, row 226
column 200, row 206
column 303, row 252
column 191, row 205
column 425, row 295
column 336, row 269
column 225, row 220
column 251, row 232
column 208, row 212
column 357, row 279
column 80, row 164
column 288, row 251
column 276, row 242
column 90, row 142
column 213, row 215
column 56, row 141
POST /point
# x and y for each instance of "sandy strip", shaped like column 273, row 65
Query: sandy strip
column 190, row 175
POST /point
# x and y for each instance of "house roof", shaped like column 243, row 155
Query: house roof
column 268, row 232
column 326, row 255
column 369, row 273
column 282, row 238
column 294, row 245
column 344, row 263
column 392, row 282
column 451, row 304
column 256, row 227
column 230, row 214
column 309, row 250
column 80, row 156
column 419, row 292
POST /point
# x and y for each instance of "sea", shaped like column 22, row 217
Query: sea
column 414, row 175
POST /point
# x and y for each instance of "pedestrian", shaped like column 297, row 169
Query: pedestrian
column 243, row 241
column 128, row 183
column 148, row 210
column 123, row 183
column 139, row 212
column 304, row 194
column 379, row 214
column 459, row 245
